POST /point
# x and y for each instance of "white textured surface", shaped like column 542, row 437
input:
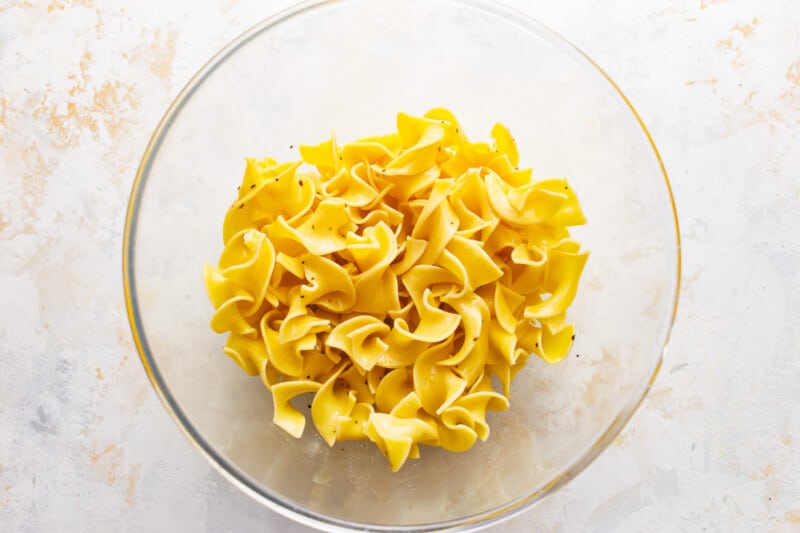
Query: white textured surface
column 84, row 442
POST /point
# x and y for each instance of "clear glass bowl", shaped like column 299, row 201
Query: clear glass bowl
column 352, row 65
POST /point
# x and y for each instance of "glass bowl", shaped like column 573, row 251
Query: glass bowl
column 352, row 65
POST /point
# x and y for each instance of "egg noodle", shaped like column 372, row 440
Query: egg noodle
column 392, row 278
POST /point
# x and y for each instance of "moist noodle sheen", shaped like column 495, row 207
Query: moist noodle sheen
column 392, row 277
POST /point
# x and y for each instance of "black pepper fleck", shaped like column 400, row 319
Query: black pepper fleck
column 573, row 337
column 309, row 406
column 302, row 296
column 291, row 146
column 301, row 183
column 253, row 186
column 239, row 187
column 474, row 339
column 241, row 206
column 577, row 355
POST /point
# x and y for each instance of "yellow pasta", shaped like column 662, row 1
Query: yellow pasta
column 393, row 278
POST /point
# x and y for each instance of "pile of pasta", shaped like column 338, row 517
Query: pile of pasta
column 392, row 278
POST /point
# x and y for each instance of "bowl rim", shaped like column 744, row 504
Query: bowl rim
column 229, row 470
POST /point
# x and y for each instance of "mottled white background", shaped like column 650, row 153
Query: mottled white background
column 85, row 444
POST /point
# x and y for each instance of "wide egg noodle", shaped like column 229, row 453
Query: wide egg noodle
column 394, row 278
